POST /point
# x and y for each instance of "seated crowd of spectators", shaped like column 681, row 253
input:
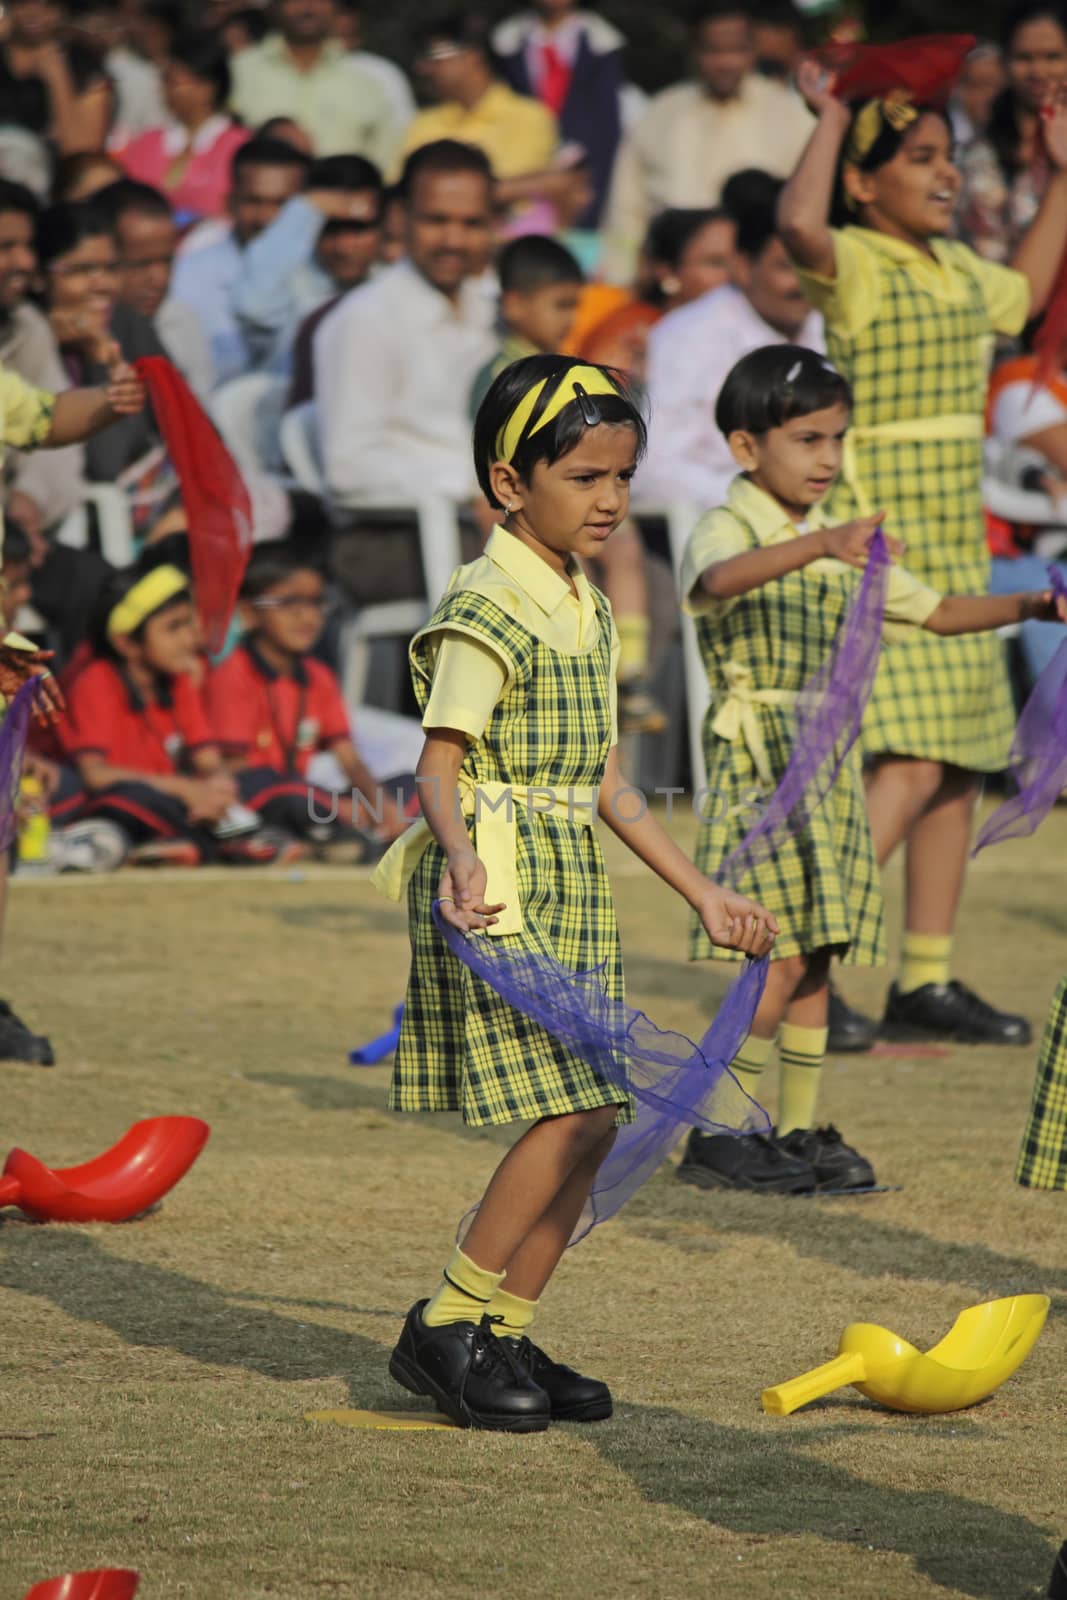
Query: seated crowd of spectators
column 249, row 191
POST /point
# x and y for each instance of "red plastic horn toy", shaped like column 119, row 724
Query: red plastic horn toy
column 149, row 1159
column 105, row 1583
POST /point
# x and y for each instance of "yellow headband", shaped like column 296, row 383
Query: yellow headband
column 894, row 109
column 146, row 596
column 511, row 435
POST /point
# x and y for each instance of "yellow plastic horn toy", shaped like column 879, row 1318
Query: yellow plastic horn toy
column 984, row 1346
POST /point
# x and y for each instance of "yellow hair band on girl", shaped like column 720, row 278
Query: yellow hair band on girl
column 146, row 596
column 894, row 110
column 573, row 385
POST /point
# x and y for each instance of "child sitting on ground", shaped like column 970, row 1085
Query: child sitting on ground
column 540, row 287
column 272, row 706
column 135, row 730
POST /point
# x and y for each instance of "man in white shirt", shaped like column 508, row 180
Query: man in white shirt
column 394, row 362
column 265, row 174
column 694, row 136
column 692, row 349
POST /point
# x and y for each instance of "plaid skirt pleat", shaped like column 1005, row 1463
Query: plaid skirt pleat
column 1043, row 1156
column 822, row 884
column 926, row 356
column 461, row 1047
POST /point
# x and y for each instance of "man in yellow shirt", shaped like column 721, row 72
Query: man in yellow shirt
column 517, row 133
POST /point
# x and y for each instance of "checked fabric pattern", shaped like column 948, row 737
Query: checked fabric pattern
column 925, row 356
column 823, row 884
column 462, row 1048
column 1043, row 1156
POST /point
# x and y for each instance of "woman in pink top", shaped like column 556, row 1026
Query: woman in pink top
column 189, row 160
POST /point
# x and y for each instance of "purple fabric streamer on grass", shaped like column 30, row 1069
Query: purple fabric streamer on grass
column 13, row 735
column 677, row 1084
column 1038, row 757
column 829, row 711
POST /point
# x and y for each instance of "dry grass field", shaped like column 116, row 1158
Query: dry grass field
column 155, row 1376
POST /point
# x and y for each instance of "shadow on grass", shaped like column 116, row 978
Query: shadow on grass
column 745, row 1480
column 155, row 1308
column 754, row 1483
column 320, row 1093
column 851, row 1238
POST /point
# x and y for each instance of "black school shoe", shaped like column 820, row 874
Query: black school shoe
column 837, row 1165
column 950, row 1011
column 571, row 1397
column 850, row 1031
column 17, row 1043
column 474, row 1377
column 754, row 1162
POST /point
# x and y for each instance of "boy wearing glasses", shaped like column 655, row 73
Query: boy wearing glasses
column 272, row 706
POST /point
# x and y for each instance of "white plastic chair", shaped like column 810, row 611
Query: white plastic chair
column 113, row 520
column 246, row 412
column 681, row 518
column 437, row 524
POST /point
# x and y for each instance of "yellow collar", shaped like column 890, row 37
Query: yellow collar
column 534, row 577
column 767, row 519
column 900, row 249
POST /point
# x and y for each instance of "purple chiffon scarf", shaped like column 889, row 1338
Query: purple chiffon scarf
column 13, row 735
column 1038, row 751
column 675, row 1083
column 829, row 711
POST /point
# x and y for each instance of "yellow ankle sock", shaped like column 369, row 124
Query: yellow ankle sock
column 466, row 1292
column 749, row 1062
column 924, row 958
column 800, row 1054
column 516, row 1312
column 633, row 646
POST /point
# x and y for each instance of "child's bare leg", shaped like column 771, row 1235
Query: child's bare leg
column 936, row 861
column 811, row 999
column 529, row 1179
column 783, row 978
column 537, row 1257
column 898, row 791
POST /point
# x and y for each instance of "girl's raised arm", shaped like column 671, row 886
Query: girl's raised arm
column 806, row 201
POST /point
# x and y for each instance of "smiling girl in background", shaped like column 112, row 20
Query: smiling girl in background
column 910, row 321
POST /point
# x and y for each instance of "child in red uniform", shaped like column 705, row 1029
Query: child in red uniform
column 272, row 706
column 137, row 734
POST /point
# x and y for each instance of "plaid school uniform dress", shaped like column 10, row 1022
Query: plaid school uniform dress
column 759, row 650
column 462, row 1048
column 1043, row 1157
column 914, row 336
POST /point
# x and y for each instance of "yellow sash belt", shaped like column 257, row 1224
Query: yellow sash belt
column 919, row 430
column 737, row 716
column 492, row 805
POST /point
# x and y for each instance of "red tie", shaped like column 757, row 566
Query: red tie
column 555, row 78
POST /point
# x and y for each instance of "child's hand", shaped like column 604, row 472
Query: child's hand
column 208, row 799
column 851, row 541
column 735, row 922
column 18, row 665
column 1054, row 128
column 462, row 894
column 125, row 391
column 1043, row 606
column 816, row 85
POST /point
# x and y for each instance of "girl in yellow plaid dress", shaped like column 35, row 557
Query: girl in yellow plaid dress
column 515, row 672
column 910, row 318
